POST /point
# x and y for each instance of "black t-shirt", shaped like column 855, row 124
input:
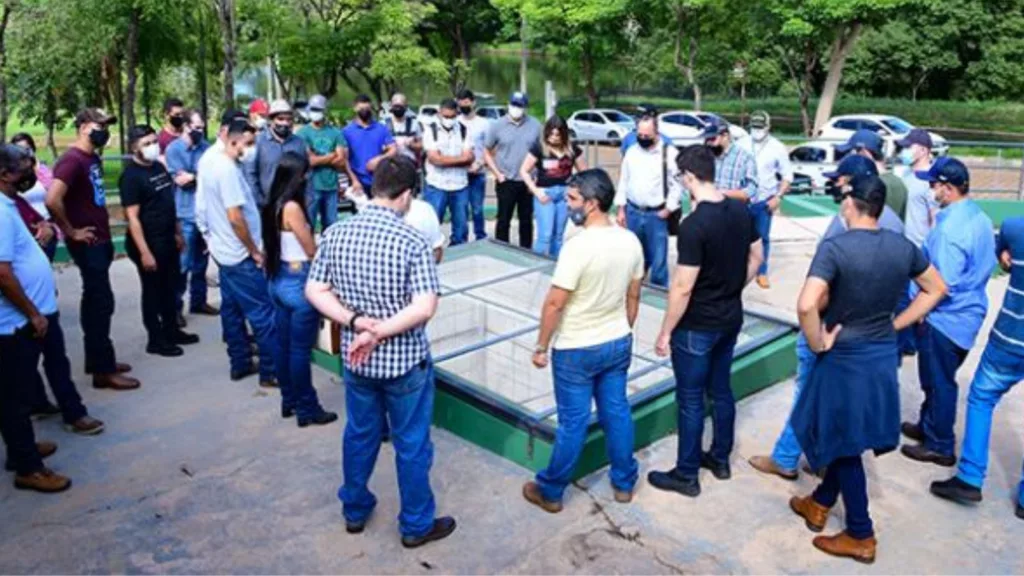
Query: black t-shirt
column 151, row 189
column 867, row 273
column 554, row 170
column 717, row 238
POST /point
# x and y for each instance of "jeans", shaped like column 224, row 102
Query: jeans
column 763, row 224
column 998, row 372
column 938, row 359
column 58, row 373
column 297, row 322
column 194, row 260
column 19, row 357
column 551, row 219
column 846, row 476
column 245, row 296
column 702, row 363
column 515, row 197
column 787, row 449
column 477, row 190
column 455, row 202
column 582, row 374
column 159, row 297
column 97, row 305
column 652, row 231
column 408, row 401
column 323, row 204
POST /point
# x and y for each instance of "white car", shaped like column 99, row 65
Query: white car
column 890, row 128
column 600, row 125
column 811, row 160
column 427, row 114
column 491, row 112
column 685, row 128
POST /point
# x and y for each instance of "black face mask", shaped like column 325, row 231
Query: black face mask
column 282, row 131
column 99, row 137
column 398, row 111
column 365, row 114
column 26, row 181
column 717, row 149
column 832, row 189
column 466, row 110
column 177, row 122
column 645, row 143
column 195, row 136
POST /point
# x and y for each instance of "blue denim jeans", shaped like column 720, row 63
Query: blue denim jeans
column 245, row 296
column 998, row 372
column 297, row 323
column 455, row 202
column 323, row 205
column 653, row 234
column 763, row 223
column 408, row 402
column 582, row 374
column 551, row 219
column 787, row 449
column 58, row 374
column 194, row 260
column 846, row 476
column 477, row 190
column 938, row 359
column 702, row 362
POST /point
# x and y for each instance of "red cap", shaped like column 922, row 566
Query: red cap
column 259, row 106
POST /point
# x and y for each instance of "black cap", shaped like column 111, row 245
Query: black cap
column 232, row 114
column 868, row 188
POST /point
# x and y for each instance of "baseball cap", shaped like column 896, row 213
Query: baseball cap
column 280, row 106
column 232, row 114
column 714, row 127
column 867, row 188
column 862, row 140
column 946, row 170
column 917, row 136
column 259, row 106
column 94, row 115
column 760, row 119
column 518, row 99
column 853, row 166
column 317, row 102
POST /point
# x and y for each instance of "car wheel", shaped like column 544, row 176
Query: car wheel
column 613, row 138
column 572, row 134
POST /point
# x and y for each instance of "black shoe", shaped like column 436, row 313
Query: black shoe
column 245, row 372
column 287, row 412
column 912, row 431
column 957, row 490
column 674, row 482
column 1020, row 511
column 165, row 350
column 921, row 454
column 323, row 417
column 353, row 528
column 204, row 310
column 184, row 338
column 44, row 411
column 443, row 528
column 181, row 320
column 720, row 470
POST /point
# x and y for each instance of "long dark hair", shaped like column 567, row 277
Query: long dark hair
column 557, row 124
column 289, row 186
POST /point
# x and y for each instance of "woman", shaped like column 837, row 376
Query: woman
column 289, row 244
column 554, row 158
column 36, row 196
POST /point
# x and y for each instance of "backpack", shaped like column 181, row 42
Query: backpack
column 462, row 129
column 407, row 132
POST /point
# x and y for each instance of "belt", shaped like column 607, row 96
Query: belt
column 657, row 208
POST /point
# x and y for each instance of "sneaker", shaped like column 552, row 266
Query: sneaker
column 45, row 449
column 912, row 431
column 42, row 480
column 672, row 481
column 244, row 373
column 165, row 350
column 184, row 338
column 956, row 490
column 921, row 454
column 44, row 411
column 720, row 470
column 320, row 419
column 443, row 528
column 85, row 426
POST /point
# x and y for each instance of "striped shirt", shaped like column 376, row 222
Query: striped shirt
column 735, row 170
column 1008, row 331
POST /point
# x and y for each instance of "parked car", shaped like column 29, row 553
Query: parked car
column 890, row 128
column 685, row 128
column 811, row 160
column 491, row 112
column 600, row 125
column 427, row 114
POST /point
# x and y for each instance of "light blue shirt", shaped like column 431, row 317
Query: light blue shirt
column 920, row 206
column 1008, row 331
column 221, row 186
column 181, row 157
column 30, row 265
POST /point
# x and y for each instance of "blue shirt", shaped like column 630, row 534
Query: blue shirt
column 364, row 143
column 630, row 139
column 1008, row 332
column 30, row 266
column 962, row 247
column 184, row 158
column 260, row 172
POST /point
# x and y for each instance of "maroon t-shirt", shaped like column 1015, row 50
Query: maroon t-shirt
column 85, row 201
column 164, row 138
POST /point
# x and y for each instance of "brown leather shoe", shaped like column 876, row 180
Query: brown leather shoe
column 815, row 515
column 763, row 282
column 85, row 426
column 846, row 546
column 531, row 491
column 114, row 382
column 46, row 448
column 622, row 497
column 205, row 310
column 42, row 480
column 766, row 465
column 272, row 383
column 122, row 368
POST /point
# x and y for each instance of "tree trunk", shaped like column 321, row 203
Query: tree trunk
column 5, row 17
column 119, row 94
column 204, row 97
column 588, row 76
column 523, row 56
column 918, row 84
column 49, row 119
column 687, row 68
column 846, row 37
column 132, row 65
column 226, row 17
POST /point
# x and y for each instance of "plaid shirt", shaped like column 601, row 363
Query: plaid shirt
column 376, row 264
column 735, row 170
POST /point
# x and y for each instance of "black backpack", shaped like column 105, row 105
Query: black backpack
column 462, row 130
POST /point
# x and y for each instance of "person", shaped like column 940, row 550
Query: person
column 774, row 175
column 916, row 154
column 870, row 145
column 648, row 195
column 509, row 140
column 182, row 163
column 154, row 241
column 592, row 305
column 174, row 123
column 553, row 159
column 851, row 400
column 369, row 142
column 288, row 239
column 423, row 218
column 735, row 168
column 375, row 276
column 449, row 153
column 1001, row 368
column 327, row 156
column 44, row 176
column 629, row 140
column 77, row 202
column 227, row 214
column 271, row 144
column 259, row 112
column 405, row 128
column 31, row 204
column 962, row 248
column 719, row 252
column 477, row 126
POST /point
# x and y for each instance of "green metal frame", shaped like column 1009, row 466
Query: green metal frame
column 802, row 206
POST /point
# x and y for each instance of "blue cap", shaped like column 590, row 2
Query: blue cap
column 853, row 166
column 946, row 170
column 518, row 99
column 862, row 140
column 917, row 136
column 713, row 127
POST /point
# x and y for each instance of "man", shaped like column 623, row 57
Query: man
column 174, row 122
column 962, row 248
column 374, row 274
column 916, row 154
column 77, row 202
column 405, row 128
column 227, row 213
column 449, row 155
column 592, row 303
column 735, row 168
column 870, row 145
column 648, row 194
column 259, row 112
column 182, row 163
column 719, row 253
column 509, row 139
column 369, row 142
column 327, row 157
column 630, row 139
column 477, row 126
column 774, row 175
column 273, row 143
column 1001, row 368
column 423, row 218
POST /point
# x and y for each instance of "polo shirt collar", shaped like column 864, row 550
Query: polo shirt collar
column 6, row 200
column 371, row 207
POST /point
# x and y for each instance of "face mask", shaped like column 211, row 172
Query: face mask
column 759, row 134
column 282, row 131
column 365, row 114
column 907, row 157
column 578, row 215
column 447, row 123
column 515, row 112
column 717, row 150
column 26, row 181
column 465, row 110
column 316, row 117
column 195, row 136
column 151, row 152
column 99, row 137
column 398, row 111
column 834, row 190
column 645, row 143
column 177, row 122
column 261, row 123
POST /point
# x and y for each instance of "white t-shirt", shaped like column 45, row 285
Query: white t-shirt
column 772, row 159
column 422, row 217
column 36, row 196
column 220, row 185
column 449, row 143
column 477, row 134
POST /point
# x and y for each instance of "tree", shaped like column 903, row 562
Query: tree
column 451, row 31
column 5, row 17
column 226, row 18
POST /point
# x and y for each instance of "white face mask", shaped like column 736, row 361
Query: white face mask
column 447, row 123
column 151, row 152
column 759, row 134
column 261, row 122
column 316, row 116
column 515, row 112
column 249, row 155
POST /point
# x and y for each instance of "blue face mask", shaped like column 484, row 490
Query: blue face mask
column 907, row 157
column 578, row 215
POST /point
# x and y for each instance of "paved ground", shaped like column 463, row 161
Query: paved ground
column 197, row 474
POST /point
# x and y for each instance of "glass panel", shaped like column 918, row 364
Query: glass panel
column 480, row 262
column 462, row 322
column 524, row 294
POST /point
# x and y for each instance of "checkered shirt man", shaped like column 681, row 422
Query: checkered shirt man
column 736, row 170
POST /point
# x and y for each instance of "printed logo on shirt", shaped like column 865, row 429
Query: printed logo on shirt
column 99, row 193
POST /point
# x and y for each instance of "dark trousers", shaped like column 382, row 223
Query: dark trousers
column 97, row 305
column 846, row 476
column 938, row 359
column 58, row 373
column 159, row 293
column 515, row 197
column 19, row 355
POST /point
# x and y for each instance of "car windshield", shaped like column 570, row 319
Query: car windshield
column 428, row 111
column 705, row 117
column 617, row 117
column 897, row 125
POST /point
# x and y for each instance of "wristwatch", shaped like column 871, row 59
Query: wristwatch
column 352, row 322
column 538, row 349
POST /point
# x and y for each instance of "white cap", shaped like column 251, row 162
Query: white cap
column 280, row 106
